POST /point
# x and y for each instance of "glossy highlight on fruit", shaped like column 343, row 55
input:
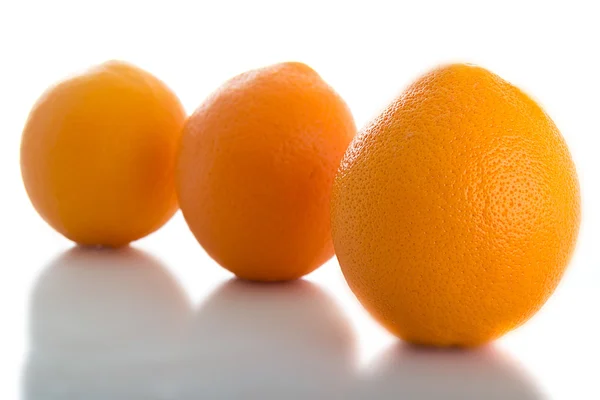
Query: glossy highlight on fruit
column 98, row 155
column 456, row 211
column 255, row 170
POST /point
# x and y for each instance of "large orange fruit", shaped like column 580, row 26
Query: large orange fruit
column 255, row 170
column 98, row 155
column 455, row 213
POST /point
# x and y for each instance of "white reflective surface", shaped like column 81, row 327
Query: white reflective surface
column 117, row 324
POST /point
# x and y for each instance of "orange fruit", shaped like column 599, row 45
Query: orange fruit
column 98, row 155
column 255, row 169
column 455, row 213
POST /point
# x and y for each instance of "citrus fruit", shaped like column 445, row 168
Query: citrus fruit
column 455, row 212
column 255, row 170
column 98, row 155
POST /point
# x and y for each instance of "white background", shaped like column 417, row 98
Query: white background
column 105, row 335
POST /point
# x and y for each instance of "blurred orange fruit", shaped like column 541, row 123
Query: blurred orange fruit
column 98, row 155
column 255, row 169
column 455, row 213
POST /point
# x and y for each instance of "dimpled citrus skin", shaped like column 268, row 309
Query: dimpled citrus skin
column 455, row 213
column 98, row 155
column 255, row 170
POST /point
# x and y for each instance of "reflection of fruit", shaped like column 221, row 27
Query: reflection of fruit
column 455, row 213
column 88, row 299
column 98, row 155
column 104, row 322
column 255, row 171
column 405, row 372
column 285, row 341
